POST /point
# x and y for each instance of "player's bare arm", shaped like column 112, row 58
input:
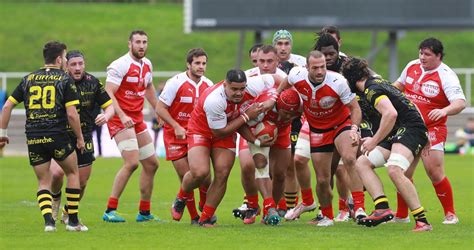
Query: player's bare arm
column 161, row 111
column 399, row 86
column 75, row 123
column 251, row 113
column 6, row 114
column 150, row 95
column 103, row 118
column 389, row 116
column 453, row 108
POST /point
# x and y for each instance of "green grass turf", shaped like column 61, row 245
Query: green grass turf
column 22, row 224
column 101, row 32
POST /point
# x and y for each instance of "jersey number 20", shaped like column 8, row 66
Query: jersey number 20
column 46, row 94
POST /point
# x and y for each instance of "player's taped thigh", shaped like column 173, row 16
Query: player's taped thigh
column 398, row 160
column 303, row 148
column 376, row 158
column 146, row 151
column 128, row 145
column 261, row 173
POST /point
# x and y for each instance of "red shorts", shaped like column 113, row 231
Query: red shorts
column 283, row 140
column 201, row 140
column 115, row 126
column 437, row 135
column 175, row 148
column 324, row 141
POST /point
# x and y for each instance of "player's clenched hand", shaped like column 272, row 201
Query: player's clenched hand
column 268, row 142
column 100, row 120
column 368, row 144
column 3, row 141
column 254, row 110
column 355, row 136
column 127, row 121
column 180, row 132
column 80, row 144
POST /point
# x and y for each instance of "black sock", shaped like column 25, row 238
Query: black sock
column 381, row 202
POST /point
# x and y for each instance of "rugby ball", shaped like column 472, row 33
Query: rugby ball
column 265, row 130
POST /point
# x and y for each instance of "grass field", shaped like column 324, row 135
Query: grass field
column 21, row 222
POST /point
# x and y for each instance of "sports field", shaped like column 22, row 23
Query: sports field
column 22, row 224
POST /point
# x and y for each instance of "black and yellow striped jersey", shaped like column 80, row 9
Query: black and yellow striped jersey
column 46, row 94
column 92, row 95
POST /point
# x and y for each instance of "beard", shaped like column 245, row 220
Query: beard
column 136, row 53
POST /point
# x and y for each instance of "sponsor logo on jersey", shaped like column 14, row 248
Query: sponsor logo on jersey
column 327, row 102
column 430, row 88
column 409, row 80
column 129, row 93
column 186, row 99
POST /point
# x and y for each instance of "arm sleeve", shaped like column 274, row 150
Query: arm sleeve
column 215, row 113
column 18, row 93
column 70, row 93
column 168, row 94
column 452, row 88
column 102, row 98
column 403, row 76
column 295, row 75
column 374, row 95
column 114, row 74
column 345, row 92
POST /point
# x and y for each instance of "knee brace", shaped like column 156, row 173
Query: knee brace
column 398, row 160
column 128, row 145
column 146, row 151
column 376, row 158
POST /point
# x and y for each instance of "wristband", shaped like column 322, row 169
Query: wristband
column 257, row 142
column 245, row 117
column 3, row 132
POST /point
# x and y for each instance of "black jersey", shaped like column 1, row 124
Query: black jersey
column 286, row 66
column 46, row 94
column 92, row 95
column 377, row 88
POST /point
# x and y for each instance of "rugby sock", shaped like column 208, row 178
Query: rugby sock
column 65, row 208
column 307, row 196
column 381, row 202
column 402, row 207
column 358, row 198
column 72, row 200
column 202, row 196
column 183, row 194
column 419, row 215
column 191, row 205
column 207, row 213
column 145, row 207
column 290, row 198
column 282, row 204
column 342, row 205
column 444, row 192
column 267, row 204
column 252, row 201
column 112, row 204
column 327, row 211
column 45, row 204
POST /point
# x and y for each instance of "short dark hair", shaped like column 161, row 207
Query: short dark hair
column 326, row 40
column 74, row 53
column 314, row 54
column 255, row 47
column 52, row 50
column 136, row 32
column 235, row 75
column 331, row 30
column 195, row 52
column 267, row 49
column 434, row 45
column 355, row 69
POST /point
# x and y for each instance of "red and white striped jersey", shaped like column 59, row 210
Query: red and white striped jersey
column 132, row 78
column 324, row 105
column 181, row 94
column 434, row 89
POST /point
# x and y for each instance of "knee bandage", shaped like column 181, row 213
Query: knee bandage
column 146, row 151
column 376, row 158
column 261, row 173
column 254, row 149
column 128, row 145
column 303, row 148
column 398, row 160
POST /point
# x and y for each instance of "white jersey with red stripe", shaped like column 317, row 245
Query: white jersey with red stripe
column 324, row 105
column 214, row 111
column 433, row 89
column 181, row 94
column 256, row 72
column 132, row 77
